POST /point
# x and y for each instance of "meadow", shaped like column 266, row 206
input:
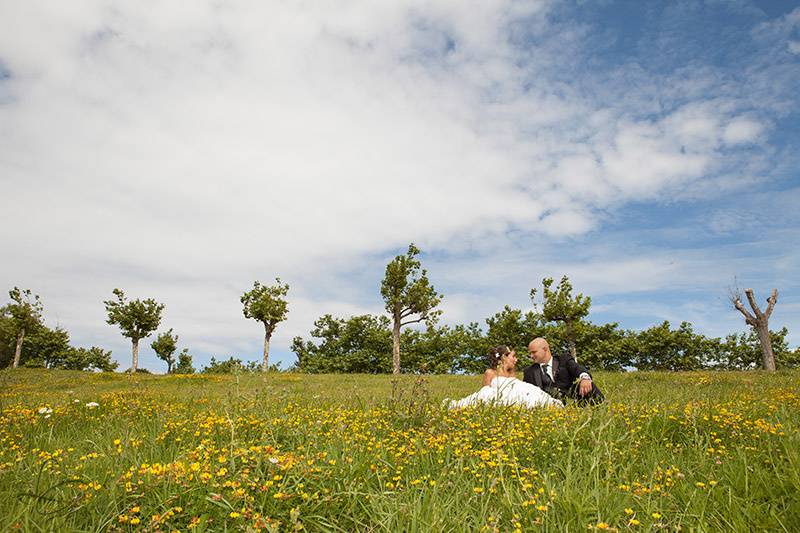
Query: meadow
column 697, row 451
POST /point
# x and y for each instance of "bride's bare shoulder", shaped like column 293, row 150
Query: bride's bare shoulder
column 488, row 376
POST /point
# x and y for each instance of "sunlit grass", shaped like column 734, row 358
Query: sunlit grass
column 708, row 451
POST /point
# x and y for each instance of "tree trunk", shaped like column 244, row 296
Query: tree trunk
column 18, row 351
column 135, row 350
column 571, row 340
column 396, row 346
column 265, row 364
column 169, row 367
column 760, row 322
column 767, row 356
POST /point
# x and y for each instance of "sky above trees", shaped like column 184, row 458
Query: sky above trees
column 647, row 150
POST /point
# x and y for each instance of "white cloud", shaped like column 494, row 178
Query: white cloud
column 182, row 151
column 742, row 130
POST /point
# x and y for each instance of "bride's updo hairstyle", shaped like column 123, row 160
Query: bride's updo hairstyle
column 496, row 353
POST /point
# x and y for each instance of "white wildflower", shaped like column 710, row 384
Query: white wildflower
column 92, row 405
column 45, row 411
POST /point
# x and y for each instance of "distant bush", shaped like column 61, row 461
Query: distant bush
column 234, row 364
column 138, row 371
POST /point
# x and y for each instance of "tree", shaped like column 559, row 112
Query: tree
column 165, row 346
column 407, row 292
column 662, row 348
column 45, row 347
column 7, row 337
column 363, row 344
column 360, row 343
column 437, row 350
column 93, row 358
column 49, row 348
column 512, row 328
column 268, row 306
column 760, row 322
column 471, row 348
column 230, row 366
column 604, row 346
column 184, row 363
column 559, row 306
column 742, row 351
column 26, row 313
column 137, row 319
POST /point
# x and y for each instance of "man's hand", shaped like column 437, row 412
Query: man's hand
column 585, row 387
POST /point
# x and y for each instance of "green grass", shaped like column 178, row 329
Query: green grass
column 690, row 451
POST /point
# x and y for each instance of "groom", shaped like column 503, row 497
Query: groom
column 560, row 376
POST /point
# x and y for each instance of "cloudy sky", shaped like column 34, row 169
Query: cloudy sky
column 180, row 151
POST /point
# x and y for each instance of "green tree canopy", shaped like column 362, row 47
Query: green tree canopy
column 663, row 348
column 743, row 351
column 184, row 363
column 559, row 305
column 51, row 348
column 165, row 346
column 25, row 311
column 136, row 319
column 513, row 328
column 409, row 297
column 360, row 343
column 266, row 304
column 93, row 358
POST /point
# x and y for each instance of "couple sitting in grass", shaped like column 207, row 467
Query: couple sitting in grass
column 549, row 381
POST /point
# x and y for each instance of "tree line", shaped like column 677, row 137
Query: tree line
column 373, row 344
column 363, row 344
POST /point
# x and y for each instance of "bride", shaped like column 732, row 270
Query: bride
column 501, row 386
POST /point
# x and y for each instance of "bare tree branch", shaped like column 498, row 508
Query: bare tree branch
column 753, row 304
column 412, row 321
column 773, row 298
column 759, row 322
column 750, row 319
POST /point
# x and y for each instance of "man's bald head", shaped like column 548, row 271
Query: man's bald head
column 539, row 350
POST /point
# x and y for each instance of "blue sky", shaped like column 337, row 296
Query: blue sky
column 645, row 149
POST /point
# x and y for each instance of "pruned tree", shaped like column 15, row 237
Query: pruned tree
column 137, row 319
column 559, row 306
column 165, row 346
column 409, row 297
column 26, row 313
column 759, row 321
column 266, row 304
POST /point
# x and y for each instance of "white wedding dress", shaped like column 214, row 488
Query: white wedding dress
column 508, row 391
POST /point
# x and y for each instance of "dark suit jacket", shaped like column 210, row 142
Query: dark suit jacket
column 566, row 370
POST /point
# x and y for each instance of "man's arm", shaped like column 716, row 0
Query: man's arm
column 576, row 370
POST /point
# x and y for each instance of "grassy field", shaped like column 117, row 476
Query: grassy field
column 289, row 452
